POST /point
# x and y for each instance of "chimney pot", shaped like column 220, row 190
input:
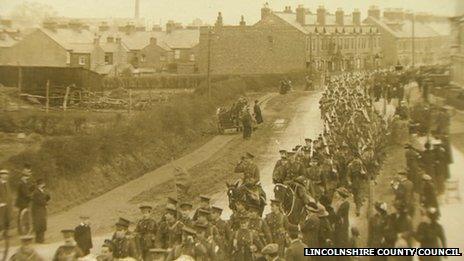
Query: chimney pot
column 265, row 11
column 301, row 15
column 356, row 17
column 340, row 17
column 321, row 13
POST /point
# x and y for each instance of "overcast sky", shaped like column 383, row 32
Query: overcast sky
column 186, row 10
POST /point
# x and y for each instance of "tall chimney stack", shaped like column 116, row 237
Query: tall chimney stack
column 137, row 9
column 301, row 15
column 356, row 17
column 321, row 15
column 340, row 17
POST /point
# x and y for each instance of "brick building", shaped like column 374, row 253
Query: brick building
column 398, row 28
column 288, row 41
column 53, row 46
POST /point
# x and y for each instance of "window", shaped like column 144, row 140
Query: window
column 177, row 54
column 192, row 57
column 142, row 58
column 108, row 58
column 82, row 60
column 68, row 57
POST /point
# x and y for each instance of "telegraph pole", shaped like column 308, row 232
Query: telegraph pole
column 208, row 73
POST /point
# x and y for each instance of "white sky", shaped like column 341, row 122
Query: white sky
column 186, row 10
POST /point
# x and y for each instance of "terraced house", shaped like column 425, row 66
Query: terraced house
column 408, row 38
column 291, row 41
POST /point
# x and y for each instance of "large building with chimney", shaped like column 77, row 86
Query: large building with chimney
column 411, row 39
column 290, row 41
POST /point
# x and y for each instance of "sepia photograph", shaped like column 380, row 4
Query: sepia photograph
column 231, row 130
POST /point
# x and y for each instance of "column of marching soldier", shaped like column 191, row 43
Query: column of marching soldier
column 338, row 164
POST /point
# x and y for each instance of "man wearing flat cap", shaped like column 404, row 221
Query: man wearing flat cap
column 26, row 251
column 70, row 250
column 123, row 242
column 146, row 230
column 428, row 196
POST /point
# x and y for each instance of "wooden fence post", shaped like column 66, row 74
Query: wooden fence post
column 65, row 99
column 47, row 96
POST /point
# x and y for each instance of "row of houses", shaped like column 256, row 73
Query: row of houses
column 109, row 52
column 281, row 41
column 457, row 59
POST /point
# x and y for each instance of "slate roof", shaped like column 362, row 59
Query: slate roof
column 329, row 27
column 177, row 39
column 112, row 47
column 71, row 39
column 403, row 29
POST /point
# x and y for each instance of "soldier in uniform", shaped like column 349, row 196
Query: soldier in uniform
column 223, row 236
column 26, row 252
column 237, row 215
column 325, row 227
column 69, row 251
column 399, row 223
column 358, row 179
column 257, row 224
column 185, row 211
column 405, row 192
column 277, row 223
column 123, row 242
column 428, row 194
column 83, row 235
column 280, row 167
column 247, row 122
column 169, row 229
column 245, row 242
column 106, row 252
column 204, row 205
column 341, row 208
column 187, row 247
column 205, row 241
column 249, row 169
column 145, row 230
column 412, row 163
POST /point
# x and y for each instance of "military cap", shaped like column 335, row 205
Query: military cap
column 122, row 222
column 308, row 139
column 171, row 209
column 188, row 230
column 290, row 153
column 249, row 155
column 172, row 200
column 142, row 207
column 158, row 251
column 402, row 172
column 4, row 172
column 426, row 177
column 254, row 207
column 200, row 227
column 343, row 192
column 205, row 198
column 67, row 233
column 275, row 202
column 26, row 238
column 203, row 212
column 216, row 209
column 282, row 151
column 186, row 204
column 270, row 249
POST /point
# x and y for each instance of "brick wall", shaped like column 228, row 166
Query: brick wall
column 253, row 50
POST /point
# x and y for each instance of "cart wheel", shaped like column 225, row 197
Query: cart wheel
column 25, row 222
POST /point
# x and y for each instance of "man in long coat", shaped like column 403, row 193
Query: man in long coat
column 5, row 200
column 24, row 192
column 257, row 113
column 40, row 200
